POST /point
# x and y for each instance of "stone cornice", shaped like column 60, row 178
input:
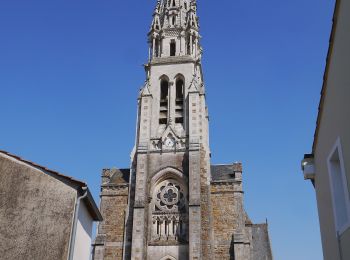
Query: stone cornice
column 226, row 182
column 227, row 191
column 114, row 190
column 115, row 186
column 173, row 60
column 182, row 150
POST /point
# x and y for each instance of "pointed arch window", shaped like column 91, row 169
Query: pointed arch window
column 157, row 48
column 188, row 43
column 179, row 101
column 172, row 48
column 164, row 92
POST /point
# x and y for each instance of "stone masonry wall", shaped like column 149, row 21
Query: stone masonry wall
column 114, row 202
column 129, row 219
column 225, row 219
column 206, row 222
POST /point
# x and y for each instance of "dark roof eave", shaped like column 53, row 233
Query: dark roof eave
column 43, row 168
column 92, row 207
column 90, row 202
column 325, row 75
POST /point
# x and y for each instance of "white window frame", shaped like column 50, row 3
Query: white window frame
column 337, row 147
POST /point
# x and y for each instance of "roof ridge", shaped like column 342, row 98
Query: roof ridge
column 33, row 164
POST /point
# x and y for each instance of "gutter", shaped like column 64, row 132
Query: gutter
column 326, row 72
column 75, row 222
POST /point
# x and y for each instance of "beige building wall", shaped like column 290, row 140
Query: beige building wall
column 333, row 125
column 36, row 212
column 83, row 234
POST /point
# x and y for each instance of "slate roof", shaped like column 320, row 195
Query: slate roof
column 120, row 176
column 222, row 172
column 225, row 172
column 261, row 246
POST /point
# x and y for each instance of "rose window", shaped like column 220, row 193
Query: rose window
column 169, row 213
column 169, row 197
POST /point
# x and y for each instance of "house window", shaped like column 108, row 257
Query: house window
column 339, row 188
column 172, row 48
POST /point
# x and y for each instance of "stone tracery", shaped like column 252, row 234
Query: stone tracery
column 169, row 212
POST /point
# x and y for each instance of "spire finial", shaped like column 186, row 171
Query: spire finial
column 157, row 8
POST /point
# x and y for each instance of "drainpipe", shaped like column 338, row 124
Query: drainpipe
column 75, row 222
column 339, row 246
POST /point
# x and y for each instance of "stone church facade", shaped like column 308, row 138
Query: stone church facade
column 172, row 203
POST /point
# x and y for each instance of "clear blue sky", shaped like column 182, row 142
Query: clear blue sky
column 70, row 72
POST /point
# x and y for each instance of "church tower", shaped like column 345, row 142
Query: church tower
column 172, row 131
column 172, row 203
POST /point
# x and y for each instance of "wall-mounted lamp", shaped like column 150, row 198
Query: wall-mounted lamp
column 308, row 167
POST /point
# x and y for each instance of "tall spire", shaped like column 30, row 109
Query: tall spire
column 166, row 200
column 192, row 21
column 174, row 30
column 156, row 18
